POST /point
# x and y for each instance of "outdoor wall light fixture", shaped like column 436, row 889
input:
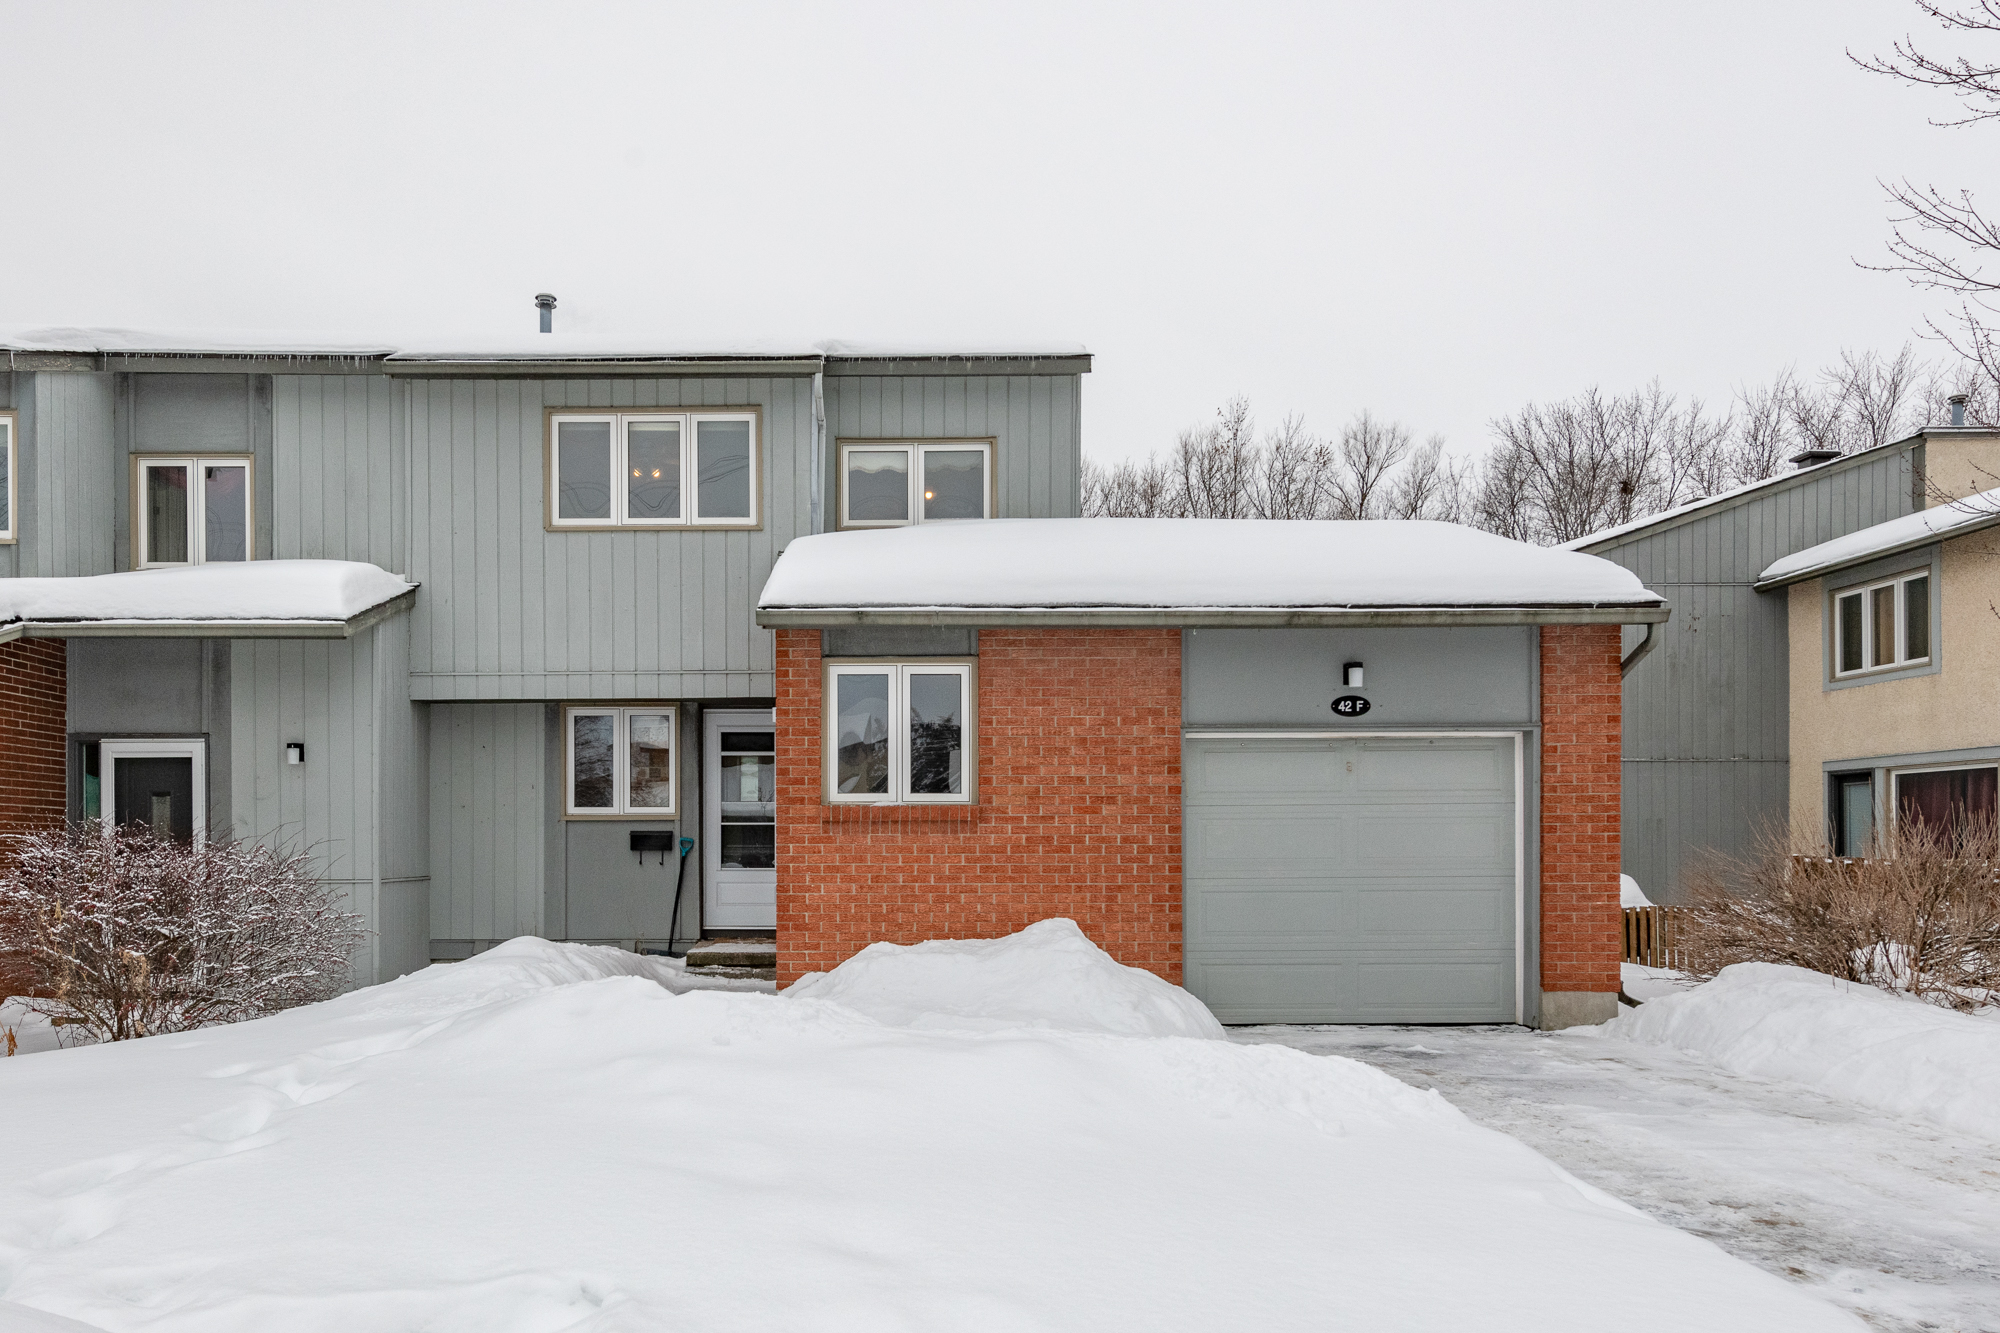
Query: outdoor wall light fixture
column 295, row 752
column 1350, row 675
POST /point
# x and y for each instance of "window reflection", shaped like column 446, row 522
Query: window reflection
column 861, row 710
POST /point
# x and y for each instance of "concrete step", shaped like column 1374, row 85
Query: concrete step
column 750, row 953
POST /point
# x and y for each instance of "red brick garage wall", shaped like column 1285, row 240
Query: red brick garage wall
column 1580, row 804
column 1078, row 809
column 34, row 695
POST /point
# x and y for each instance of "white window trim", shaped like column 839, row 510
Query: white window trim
column 197, row 523
column 10, row 455
column 899, row 673
column 1866, row 592
column 690, row 515
column 109, row 752
column 914, row 450
column 621, row 762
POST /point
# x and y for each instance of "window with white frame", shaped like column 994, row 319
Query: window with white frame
column 1883, row 626
column 887, row 484
column 899, row 732
column 7, row 474
column 619, row 761
column 652, row 469
column 191, row 511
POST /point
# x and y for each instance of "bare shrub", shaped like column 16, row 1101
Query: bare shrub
column 130, row 934
column 1921, row 917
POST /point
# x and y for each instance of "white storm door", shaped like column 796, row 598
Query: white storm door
column 739, row 882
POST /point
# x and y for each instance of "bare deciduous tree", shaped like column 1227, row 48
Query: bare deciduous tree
column 1940, row 240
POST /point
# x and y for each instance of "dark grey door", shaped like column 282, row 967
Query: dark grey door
column 157, row 792
column 1363, row 880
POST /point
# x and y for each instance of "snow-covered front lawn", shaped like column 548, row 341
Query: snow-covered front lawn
column 553, row 1137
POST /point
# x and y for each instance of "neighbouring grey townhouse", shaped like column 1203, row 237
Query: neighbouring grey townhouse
column 565, row 676
column 1829, row 663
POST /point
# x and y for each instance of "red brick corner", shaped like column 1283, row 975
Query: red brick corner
column 1581, row 729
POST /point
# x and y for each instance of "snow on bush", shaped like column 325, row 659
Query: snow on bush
column 1920, row 916
column 1048, row 976
column 1843, row 1038
column 132, row 934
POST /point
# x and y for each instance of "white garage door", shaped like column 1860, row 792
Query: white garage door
column 1367, row 879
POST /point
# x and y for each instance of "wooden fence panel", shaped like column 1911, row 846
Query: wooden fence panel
column 1652, row 936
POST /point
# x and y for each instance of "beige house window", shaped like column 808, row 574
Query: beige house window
column 897, row 483
column 653, row 469
column 1883, row 626
column 191, row 511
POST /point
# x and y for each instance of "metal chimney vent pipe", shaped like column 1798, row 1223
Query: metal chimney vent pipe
column 546, row 303
column 1957, row 401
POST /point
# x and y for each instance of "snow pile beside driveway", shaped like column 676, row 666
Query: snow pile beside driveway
column 1048, row 976
column 1846, row 1040
column 547, row 1137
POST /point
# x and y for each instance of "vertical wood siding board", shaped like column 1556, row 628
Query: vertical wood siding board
column 465, row 720
column 464, row 527
column 1041, row 483
column 1020, row 430
column 625, row 608
column 516, row 470
column 623, row 394
column 527, row 820
column 933, row 400
column 952, row 397
column 874, row 420
column 600, row 597
column 671, row 583
column 487, row 817
column 439, row 521
column 487, row 462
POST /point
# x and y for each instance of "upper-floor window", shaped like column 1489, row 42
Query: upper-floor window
column 899, row 732
column 887, row 484
column 1883, row 626
column 7, row 473
column 653, row 469
column 189, row 511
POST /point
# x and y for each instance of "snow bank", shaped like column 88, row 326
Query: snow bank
column 1630, row 894
column 1048, row 976
column 231, row 590
column 1846, row 1040
column 548, row 1137
column 1239, row 564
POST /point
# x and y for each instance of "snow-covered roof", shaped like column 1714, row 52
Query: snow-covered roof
column 1955, row 518
column 523, row 346
column 292, row 598
column 1192, row 571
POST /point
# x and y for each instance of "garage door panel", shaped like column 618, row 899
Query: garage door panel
column 1434, row 769
column 1235, row 916
column 1244, row 772
column 1440, row 913
column 1352, row 880
column 1427, row 842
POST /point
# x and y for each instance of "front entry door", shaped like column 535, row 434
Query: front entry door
column 739, row 879
column 156, row 784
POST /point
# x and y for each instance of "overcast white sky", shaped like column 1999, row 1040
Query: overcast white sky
column 1437, row 211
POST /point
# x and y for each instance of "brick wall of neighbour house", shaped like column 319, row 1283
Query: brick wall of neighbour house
column 33, row 708
column 1580, row 808
column 1077, row 813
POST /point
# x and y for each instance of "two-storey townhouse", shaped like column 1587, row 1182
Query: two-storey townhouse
column 538, row 670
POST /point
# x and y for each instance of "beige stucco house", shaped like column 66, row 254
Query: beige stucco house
column 1894, row 634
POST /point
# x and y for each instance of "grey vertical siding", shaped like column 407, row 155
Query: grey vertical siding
column 512, row 611
column 351, row 802
column 487, row 820
column 68, row 472
column 1037, row 421
column 1707, row 714
column 338, row 473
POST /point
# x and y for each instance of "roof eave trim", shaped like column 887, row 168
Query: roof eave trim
column 1139, row 617
column 210, row 629
column 1870, row 557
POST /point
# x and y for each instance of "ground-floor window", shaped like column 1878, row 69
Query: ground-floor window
column 158, row 784
column 1853, row 813
column 1947, row 800
column 899, row 732
column 619, row 760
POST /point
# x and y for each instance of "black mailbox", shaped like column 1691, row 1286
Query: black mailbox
column 659, row 840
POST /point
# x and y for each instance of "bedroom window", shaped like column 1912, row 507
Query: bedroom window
column 191, row 511
column 890, row 484
column 1883, row 626
column 652, row 469
column 619, row 762
column 1951, row 801
column 899, row 733
column 8, row 496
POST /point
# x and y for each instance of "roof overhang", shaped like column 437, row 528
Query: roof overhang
column 1870, row 557
column 1141, row 617
column 209, row 629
